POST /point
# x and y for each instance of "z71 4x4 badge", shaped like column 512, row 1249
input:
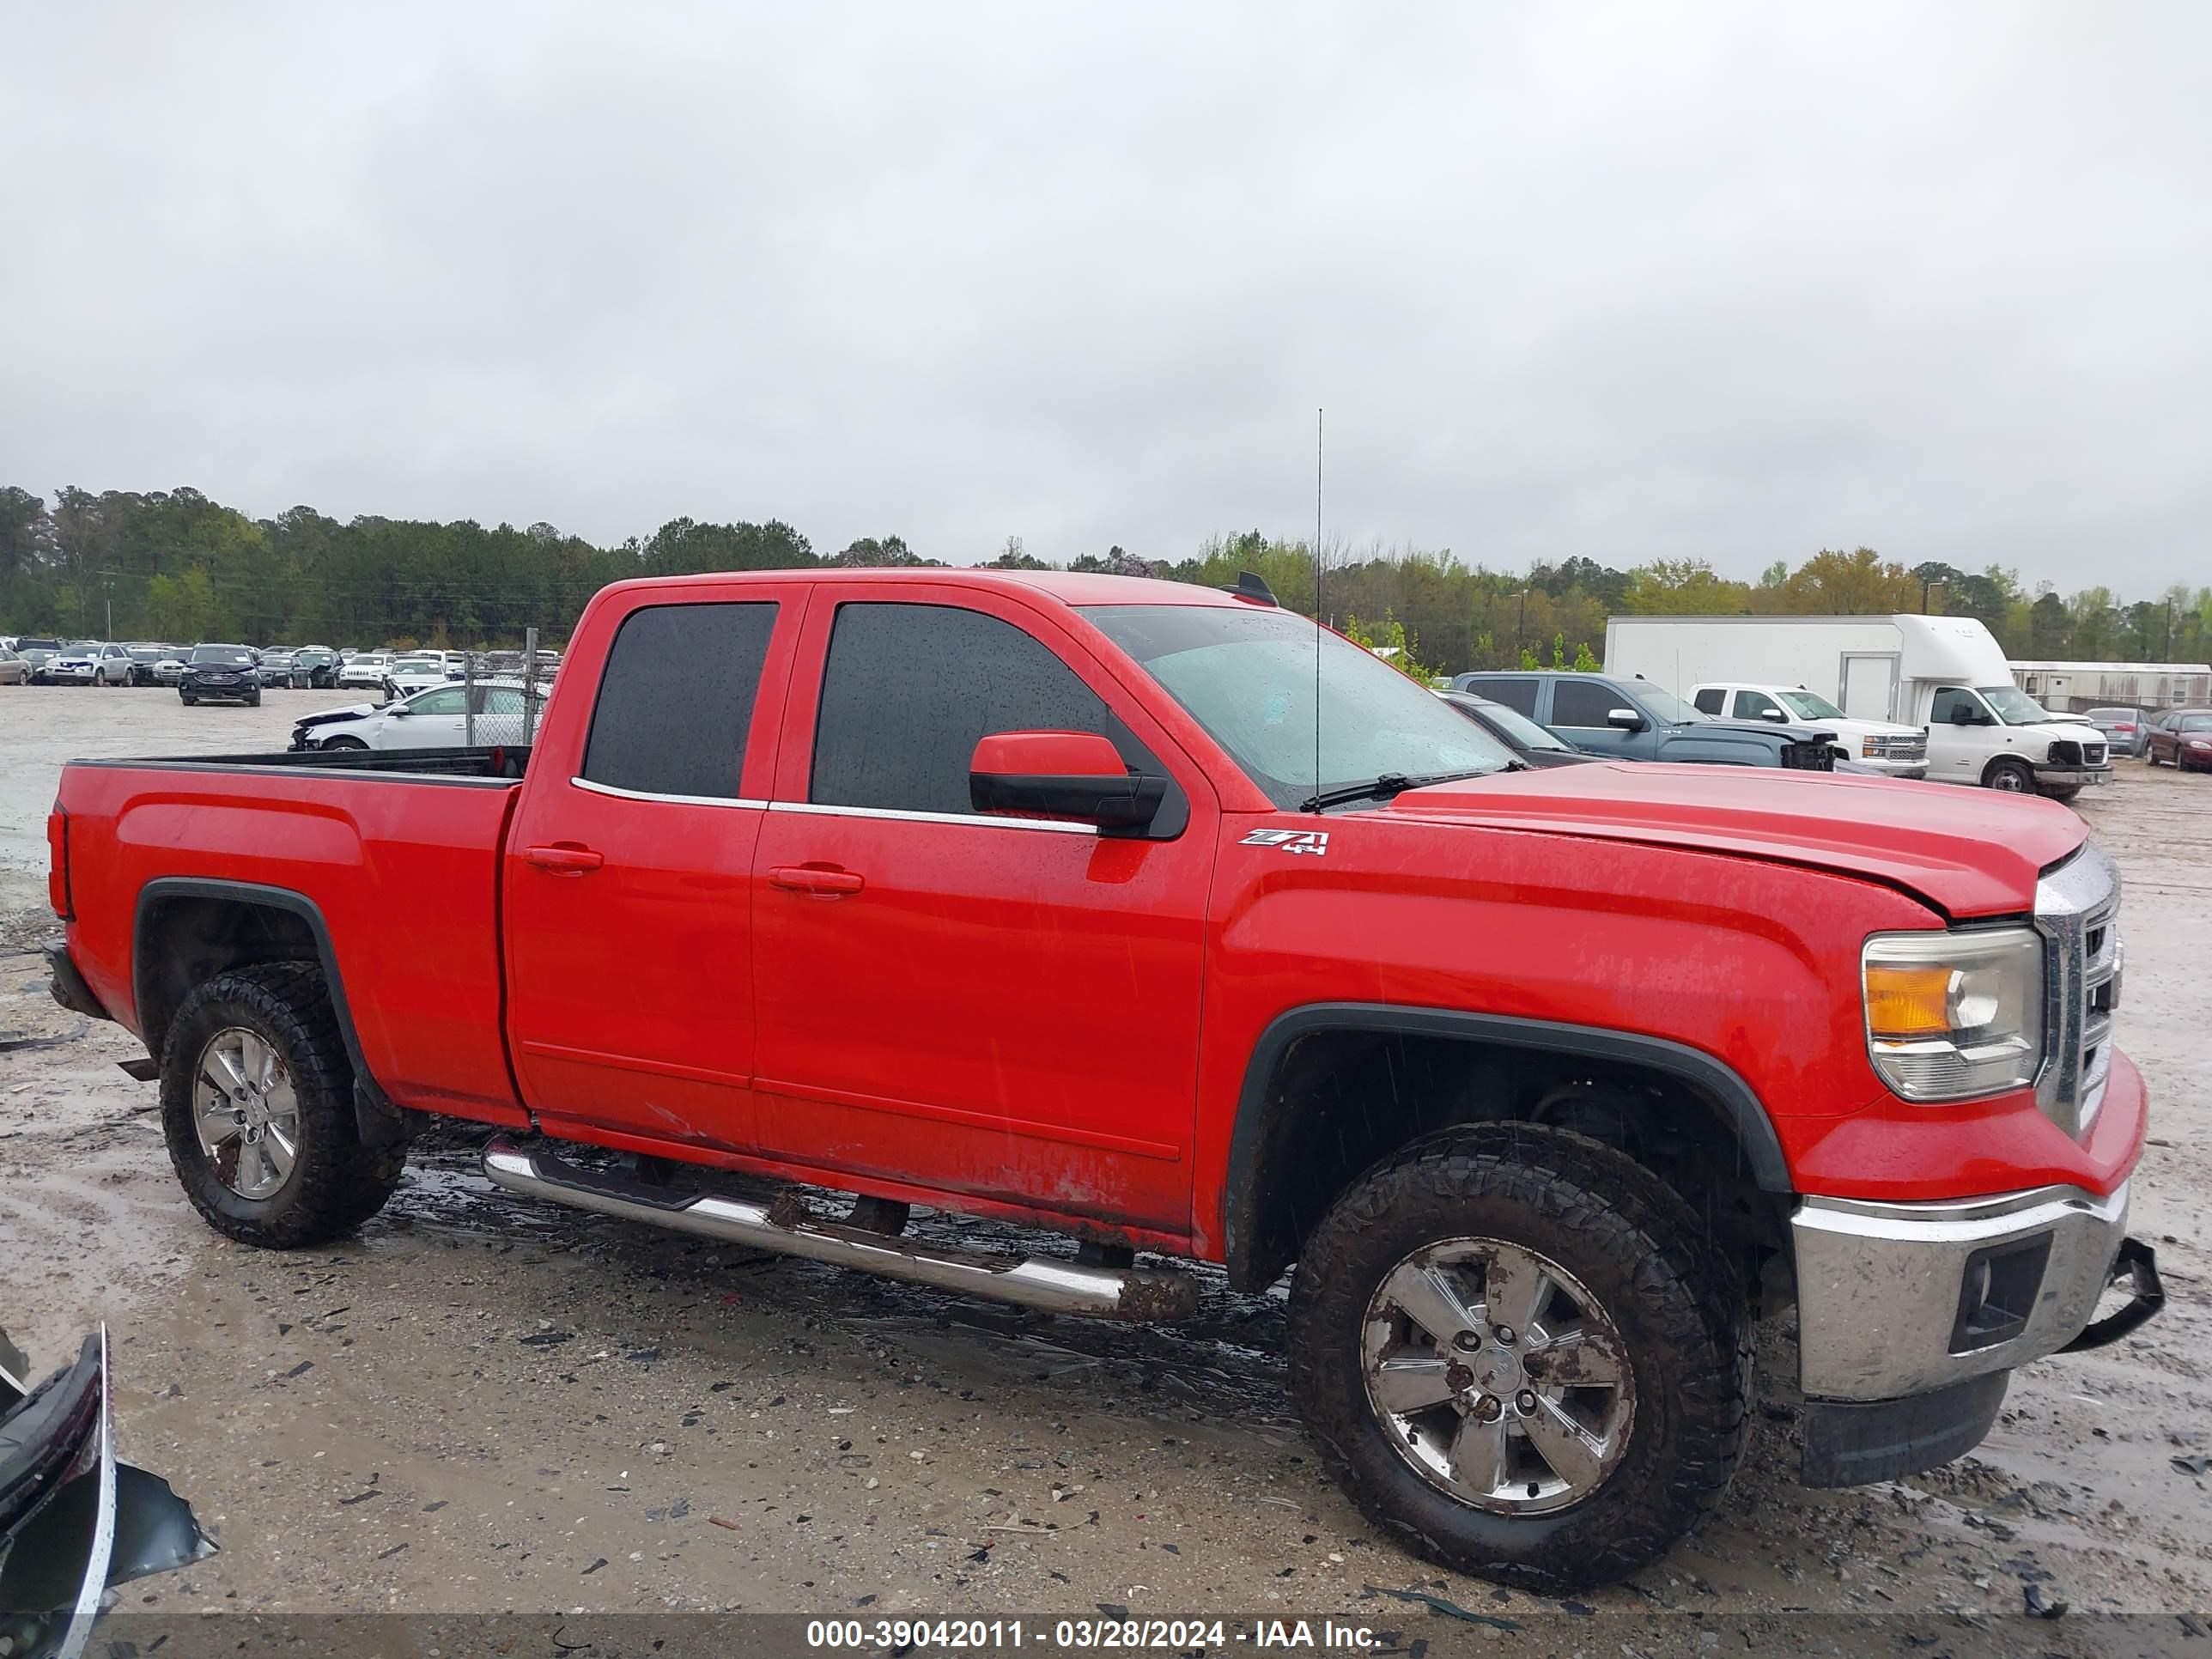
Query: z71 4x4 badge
column 1292, row 840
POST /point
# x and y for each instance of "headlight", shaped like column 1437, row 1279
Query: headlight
column 1950, row 1016
column 1869, row 747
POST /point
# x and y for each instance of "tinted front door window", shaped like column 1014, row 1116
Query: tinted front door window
column 1582, row 704
column 910, row 688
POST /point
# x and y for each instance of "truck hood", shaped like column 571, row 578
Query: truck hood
column 1966, row 852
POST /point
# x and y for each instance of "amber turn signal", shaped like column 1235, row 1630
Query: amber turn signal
column 1908, row 998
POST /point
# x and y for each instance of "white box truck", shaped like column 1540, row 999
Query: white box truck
column 1946, row 675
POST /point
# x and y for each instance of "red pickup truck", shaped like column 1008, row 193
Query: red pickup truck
column 1157, row 917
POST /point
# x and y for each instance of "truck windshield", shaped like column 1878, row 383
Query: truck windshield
column 2014, row 706
column 1249, row 677
column 1664, row 706
column 1517, row 725
column 1809, row 706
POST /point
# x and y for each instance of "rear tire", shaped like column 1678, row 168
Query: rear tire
column 1654, row 1300
column 333, row 1183
column 2010, row 777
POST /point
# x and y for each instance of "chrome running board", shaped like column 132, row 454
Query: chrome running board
column 1131, row 1293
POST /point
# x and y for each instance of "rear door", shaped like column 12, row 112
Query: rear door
column 629, row 956
column 1007, row 1007
column 1868, row 691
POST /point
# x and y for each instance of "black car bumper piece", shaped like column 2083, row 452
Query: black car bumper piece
column 73, row 1521
column 69, row 987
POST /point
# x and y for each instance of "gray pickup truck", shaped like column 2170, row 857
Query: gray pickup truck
column 1635, row 720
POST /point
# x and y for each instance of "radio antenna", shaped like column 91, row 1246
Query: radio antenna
column 1317, row 563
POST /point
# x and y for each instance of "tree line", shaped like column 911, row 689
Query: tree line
column 178, row 565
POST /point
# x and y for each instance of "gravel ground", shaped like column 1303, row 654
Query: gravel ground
column 483, row 1406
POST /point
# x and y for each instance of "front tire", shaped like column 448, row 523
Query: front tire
column 256, row 1106
column 2011, row 777
column 1565, row 1451
column 343, row 743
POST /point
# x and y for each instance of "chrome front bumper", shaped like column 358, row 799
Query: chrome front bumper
column 1892, row 766
column 1885, row 1304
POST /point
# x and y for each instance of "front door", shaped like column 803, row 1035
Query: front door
column 1581, row 712
column 1006, row 1007
column 629, row 944
column 1959, row 735
column 433, row 720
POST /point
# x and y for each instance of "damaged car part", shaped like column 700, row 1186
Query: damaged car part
column 74, row 1522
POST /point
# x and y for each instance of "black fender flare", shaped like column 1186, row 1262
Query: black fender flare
column 1716, row 1079
column 379, row 1119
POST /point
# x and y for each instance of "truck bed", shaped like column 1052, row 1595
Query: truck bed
column 384, row 865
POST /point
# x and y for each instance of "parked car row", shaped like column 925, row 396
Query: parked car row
column 36, row 660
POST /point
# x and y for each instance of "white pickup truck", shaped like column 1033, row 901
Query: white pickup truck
column 1899, row 752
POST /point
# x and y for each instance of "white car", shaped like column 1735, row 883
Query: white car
column 89, row 662
column 436, row 718
column 1897, row 751
column 366, row 671
column 411, row 674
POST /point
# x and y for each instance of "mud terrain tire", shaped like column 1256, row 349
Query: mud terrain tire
column 1641, row 1254
column 335, row 1182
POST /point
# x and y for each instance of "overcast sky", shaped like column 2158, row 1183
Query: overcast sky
column 1722, row 281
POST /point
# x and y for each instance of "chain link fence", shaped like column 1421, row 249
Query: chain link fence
column 506, row 692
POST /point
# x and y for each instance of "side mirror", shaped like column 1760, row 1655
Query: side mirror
column 1061, row 775
column 396, row 708
column 1626, row 718
column 1777, row 716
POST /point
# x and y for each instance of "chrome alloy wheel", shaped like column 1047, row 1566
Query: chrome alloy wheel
column 1497, row 1376
column 245, row 1112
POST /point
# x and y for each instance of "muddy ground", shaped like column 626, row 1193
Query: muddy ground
column 482, row 1405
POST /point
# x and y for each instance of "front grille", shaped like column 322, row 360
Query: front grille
column 2092, row 754
column 2077, row 909
column 1814, row 756
column 1913, row 748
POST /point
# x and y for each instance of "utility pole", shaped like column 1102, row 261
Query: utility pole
column 1927, row 582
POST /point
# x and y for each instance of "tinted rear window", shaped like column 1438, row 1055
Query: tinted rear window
column 675, row 700
column 1520, row 696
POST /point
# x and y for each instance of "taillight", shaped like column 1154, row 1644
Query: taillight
column 57, row 874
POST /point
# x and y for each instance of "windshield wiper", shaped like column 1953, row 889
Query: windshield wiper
column 1385, row 787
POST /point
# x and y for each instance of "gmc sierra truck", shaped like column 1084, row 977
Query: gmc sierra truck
column 1160, row 919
